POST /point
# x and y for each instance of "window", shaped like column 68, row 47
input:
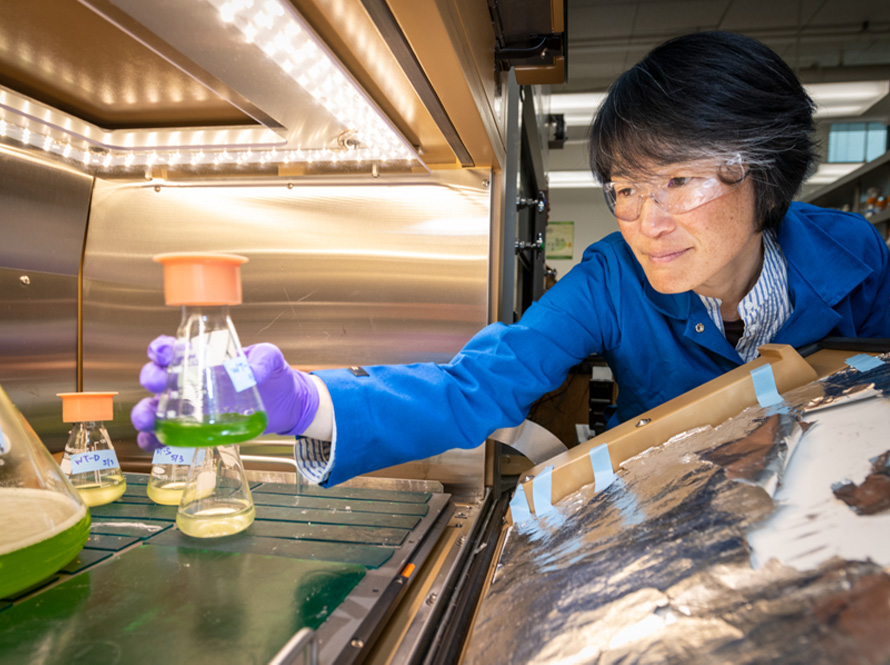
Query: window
column 856, row 141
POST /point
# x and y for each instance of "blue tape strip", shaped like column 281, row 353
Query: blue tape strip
column 603, row 476
column 171, row 455
column 765, row 386
column 541, row 494
column 864, row 362
column 94, row 461
column 519, row 506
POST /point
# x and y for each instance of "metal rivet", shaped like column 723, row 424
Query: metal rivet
column 358, row 644
column 699, row 327
column 24, row 279
column 643, row 421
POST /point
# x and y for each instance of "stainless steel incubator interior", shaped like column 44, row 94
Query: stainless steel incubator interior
column 360, row 154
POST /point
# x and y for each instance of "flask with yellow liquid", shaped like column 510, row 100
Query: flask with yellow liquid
column 169, row 474
column 89, row 460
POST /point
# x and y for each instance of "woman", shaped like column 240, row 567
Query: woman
column 700, row 148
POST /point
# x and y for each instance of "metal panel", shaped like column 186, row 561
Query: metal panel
column 363, row 272
column 44, row 215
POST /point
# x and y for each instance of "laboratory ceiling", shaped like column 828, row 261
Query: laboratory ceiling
column 824, row 40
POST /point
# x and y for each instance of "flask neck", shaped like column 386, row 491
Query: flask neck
column 87, row 434
column 204, row 319
column 208, row 312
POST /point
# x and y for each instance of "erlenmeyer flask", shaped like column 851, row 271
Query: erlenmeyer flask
column 45, row 522
column 169, row 473
column 217, row 500
column 89, row 460
column 211, row 397
column 211, row 400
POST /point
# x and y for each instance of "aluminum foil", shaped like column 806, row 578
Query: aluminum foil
column 657, row 568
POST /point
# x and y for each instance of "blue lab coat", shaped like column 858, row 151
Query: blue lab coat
column 839, row 283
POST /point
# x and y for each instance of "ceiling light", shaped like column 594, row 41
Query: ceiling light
column 832, row 100
column 849, row 98
column 577, row 108
column 828, row 173
column 571, row 180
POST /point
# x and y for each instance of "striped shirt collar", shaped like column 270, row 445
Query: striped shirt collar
column 766, row 307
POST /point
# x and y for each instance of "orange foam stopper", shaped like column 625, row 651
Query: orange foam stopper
column 87, row 407
column 201, row 279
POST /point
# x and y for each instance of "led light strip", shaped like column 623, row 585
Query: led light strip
column 284, row 37
column 280, row 33
column 110, row 159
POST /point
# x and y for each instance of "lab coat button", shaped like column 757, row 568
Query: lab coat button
column 699, row 327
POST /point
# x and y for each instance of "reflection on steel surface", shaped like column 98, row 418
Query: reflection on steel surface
column 355, row 273
column 657, row 568
column 43, row 220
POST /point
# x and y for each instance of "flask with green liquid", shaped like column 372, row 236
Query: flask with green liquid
column 211, row 401
column 44, row 521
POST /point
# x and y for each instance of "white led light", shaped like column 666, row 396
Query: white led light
column 279, row 34
column 297, row 52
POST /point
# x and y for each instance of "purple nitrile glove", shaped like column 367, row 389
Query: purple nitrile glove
column 143, row 418
column 153, row 378
column 289, row 395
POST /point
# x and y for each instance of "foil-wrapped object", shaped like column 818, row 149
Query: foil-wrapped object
column 658, row 567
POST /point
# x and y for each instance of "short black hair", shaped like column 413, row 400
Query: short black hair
column 710, row 95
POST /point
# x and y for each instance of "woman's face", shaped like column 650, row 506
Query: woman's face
column 713, row 249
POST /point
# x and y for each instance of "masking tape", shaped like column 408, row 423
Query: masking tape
column 541, row 491
column 765, row 386
column 603, row 476
column 519, row 506
column 173, row 455
column 864, row 362
column 96, row 460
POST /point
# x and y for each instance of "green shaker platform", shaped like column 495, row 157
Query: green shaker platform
column 140, row 591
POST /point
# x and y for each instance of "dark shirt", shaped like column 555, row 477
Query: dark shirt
column 733, row 330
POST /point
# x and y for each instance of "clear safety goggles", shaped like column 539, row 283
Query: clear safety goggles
column 688, row 190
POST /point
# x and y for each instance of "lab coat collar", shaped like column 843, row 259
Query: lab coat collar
column 807, row 247
column 813, row 290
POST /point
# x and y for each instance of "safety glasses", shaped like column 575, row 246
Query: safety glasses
column 692, row 187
